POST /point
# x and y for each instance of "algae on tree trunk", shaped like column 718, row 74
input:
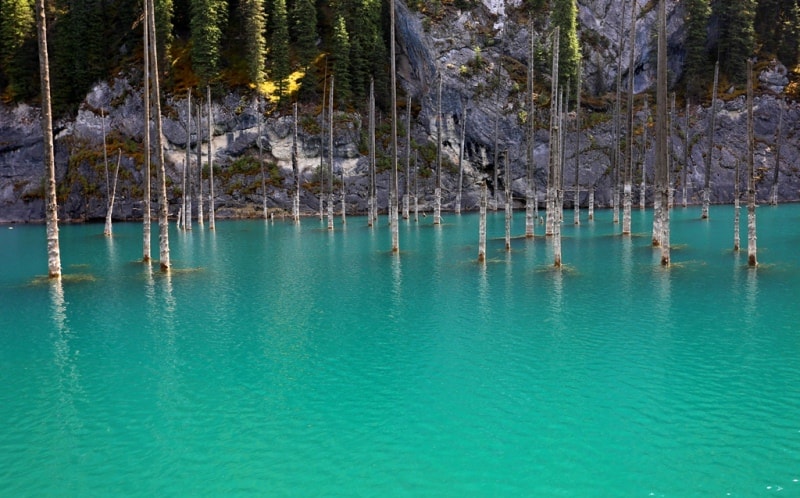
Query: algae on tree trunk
column 752, row 259
column 53, row 250
column 710, row 151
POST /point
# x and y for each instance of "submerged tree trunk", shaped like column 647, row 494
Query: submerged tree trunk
column 295, row 172
column 407, row 190
column 627, row 194
column 330, row 154
column 736, row 244
column 530, row 198
column 437, row 193
column 211, row 209
column 461, row 161
column 778, row 143
column 199, row 175
column 146, row 221
column 371, row 207
column 482, row 225
column 161, row 171
column 709, row 153
column 107, row 231
column 393, row 208
column 662, row 166
column 577, row 185
column 53, row 251
column 686, row 155
column 752, row 260
column 509, row 200
column 188, row 189
column 555, row 154
column 643, row 186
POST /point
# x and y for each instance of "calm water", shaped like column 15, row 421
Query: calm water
column 283, row 360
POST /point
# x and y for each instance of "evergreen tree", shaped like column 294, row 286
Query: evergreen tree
column 340, row 55
column 564, row 16
column 279, row 45
column 736, row 42
column 254, row 20
column 164, row 37
column 697, row 60
column 789, row 38
column 208, row 18
column 303, row 31
column 18, row 48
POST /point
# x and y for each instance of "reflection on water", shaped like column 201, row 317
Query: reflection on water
column 65, row 359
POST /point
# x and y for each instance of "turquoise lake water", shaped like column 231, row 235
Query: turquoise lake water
column 284, row 360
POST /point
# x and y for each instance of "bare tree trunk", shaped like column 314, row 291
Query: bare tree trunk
column 482, row 225
column 617, row 160
column 509, row 200
column 752, row 260
column 778, row 143
column 628, row 186
column 146, row 221
column 686, row 144
column 662, row 166
column 330, row 154
column 437, row 193
column 711, row 129
column 555, row 154
column 736, row 196
column 322, row 145
column 53, row 251
column 161, row 172
column 107, row 231
column 296, row 172
column 577, row 186
column 407, row 191
column 416, row 186
column 261, row 163
column 591, row 203
column 530, row 197
column 188, row 189
column 372, row 208
column 211, row 209
column 496, row 195
column 643, row 186
column 393, row 208
column 199, row 176
column 671, row 151
column 461, row 161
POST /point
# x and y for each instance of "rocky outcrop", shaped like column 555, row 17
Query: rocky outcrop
column 480, row 54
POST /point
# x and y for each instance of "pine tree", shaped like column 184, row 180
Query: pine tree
column 279, row 45
column 303, row 31
column 340, row 53
column 163, row 17
column 696, row 65
column 255, row 49
column 565, row 15
column 207, row 21
column 18, row 48
column 736, row 42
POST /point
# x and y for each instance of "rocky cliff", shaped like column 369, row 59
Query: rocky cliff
column 481, row 55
